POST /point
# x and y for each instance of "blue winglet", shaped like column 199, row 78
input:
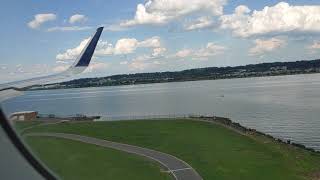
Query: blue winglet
column 86, row 55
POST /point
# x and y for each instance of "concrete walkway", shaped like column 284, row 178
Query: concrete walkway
column 177, row 167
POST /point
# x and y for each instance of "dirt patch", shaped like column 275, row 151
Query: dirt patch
column 315, row 175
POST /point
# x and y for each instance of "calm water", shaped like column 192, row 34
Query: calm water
column 286, row 107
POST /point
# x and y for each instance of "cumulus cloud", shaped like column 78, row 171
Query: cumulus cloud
column 73, row 53
column 139, row 63
column 184, row 53
column 146, row 61
column 200, row 23
column 122, row 46
column 69, row 28
column 153, row 42
column 210, row 50
column 142, row 62
column 114, row 27
column 96, row 66
column 77, row 18
column 242, row 9
column 267, row 45
column 104, row 48
column 40, row 19
column 125, row 46
column 281, row 18
column 159, row 51
column 163, row 11
column 315, row 45
column 62, row 62
column 314, row 48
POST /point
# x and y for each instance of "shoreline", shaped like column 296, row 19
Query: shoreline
column 223, row 121
column 187, row 80
column 228, row 123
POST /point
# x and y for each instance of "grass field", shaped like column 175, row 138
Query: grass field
column 21, row 125
column 212, row 150
column 79, row 161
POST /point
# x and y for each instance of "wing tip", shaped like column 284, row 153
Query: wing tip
column 87, row 53
column 100, row 28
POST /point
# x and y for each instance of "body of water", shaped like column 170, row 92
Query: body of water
column 286, row 107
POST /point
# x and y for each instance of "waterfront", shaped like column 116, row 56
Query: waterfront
column 284, row 106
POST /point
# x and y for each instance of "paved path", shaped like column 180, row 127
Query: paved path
column 177, row 167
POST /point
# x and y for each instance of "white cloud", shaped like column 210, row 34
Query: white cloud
column 128, row 45
column 72, row 54
column 114, row 27
column 104, row 48
column 77, row 18
column 69, row 28
column 313, row 48
column 159, row 51
column 139, row 63
column 40, row 19
column 142, row 62
column 315, row 45
column 210, row 50
column 200, row 23
column 123, row 62
column 281, row 18
column 163, row 11
column 184, row 53
column 96, row 66
column 144, row 17
column 153, row 42
column 125, row 46
column 145, row 61
column 268, row 45
column 122, row 46
column 242, row 9
column 62, row 62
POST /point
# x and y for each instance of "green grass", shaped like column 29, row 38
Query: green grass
column 79, row 161
column 214, row 151
column 20, row 125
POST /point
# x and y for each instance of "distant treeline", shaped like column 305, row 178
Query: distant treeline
column 251, row 70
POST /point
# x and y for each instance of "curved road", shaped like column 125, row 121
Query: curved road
column 177, row 167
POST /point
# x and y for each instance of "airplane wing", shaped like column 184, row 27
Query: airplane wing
column 12, row 148
column 12, row 89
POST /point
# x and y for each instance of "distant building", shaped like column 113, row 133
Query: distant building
column 279, row 68
column 24, row 116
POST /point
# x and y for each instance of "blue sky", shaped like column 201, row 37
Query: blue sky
column 44, row 37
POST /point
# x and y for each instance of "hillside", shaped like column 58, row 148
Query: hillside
column 208, row 73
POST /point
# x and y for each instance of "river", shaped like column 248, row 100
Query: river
column 286, row 107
